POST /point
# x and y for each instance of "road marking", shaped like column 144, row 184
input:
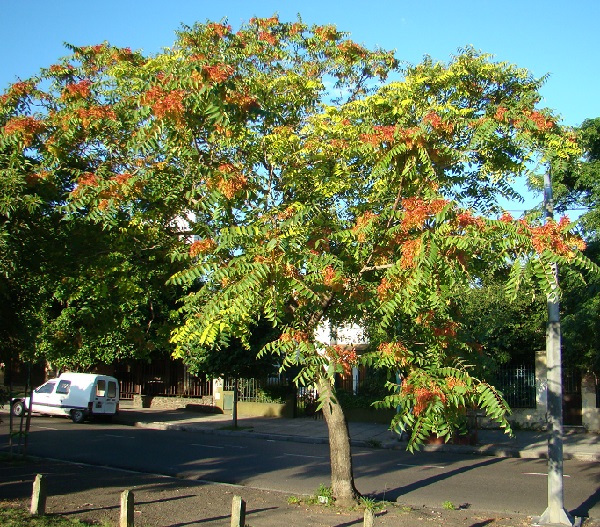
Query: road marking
column 208, row 446
column 46, row 428
column 541, row 474
column 236, row 446
column 304, row 455
column 420, row 466
column 119, row 436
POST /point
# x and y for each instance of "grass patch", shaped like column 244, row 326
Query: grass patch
column 18, row 517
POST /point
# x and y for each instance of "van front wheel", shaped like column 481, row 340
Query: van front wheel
column 78, row 416
column 18, row 408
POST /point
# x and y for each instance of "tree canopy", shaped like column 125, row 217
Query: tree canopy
column 299, row 177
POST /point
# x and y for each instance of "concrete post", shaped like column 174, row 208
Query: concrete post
column 369, row 520
column 555, row 513
column 39, row 495
column 238, row 512
column 127, row 509
column 591, row 414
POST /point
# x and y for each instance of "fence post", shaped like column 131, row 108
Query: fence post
column 127, row 510
column 38, row 497
column 369, row 518
column 238, row 512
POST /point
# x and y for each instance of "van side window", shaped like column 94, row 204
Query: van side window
column 112, row 389
column 63, row 387
column 46, row 388
column 101, row 388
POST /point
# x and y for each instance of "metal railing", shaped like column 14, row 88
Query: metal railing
column 517, row 384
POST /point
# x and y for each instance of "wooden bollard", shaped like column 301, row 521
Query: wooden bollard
column 38, row 497
column 127, row 510
column 369, row 518
column 238, row 512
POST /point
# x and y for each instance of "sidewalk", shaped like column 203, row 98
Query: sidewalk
column 526, row 444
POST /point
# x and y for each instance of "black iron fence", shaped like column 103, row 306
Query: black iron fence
column 517, row 384
column 272, row 389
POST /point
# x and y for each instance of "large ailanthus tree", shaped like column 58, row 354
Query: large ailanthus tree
column 298, row 185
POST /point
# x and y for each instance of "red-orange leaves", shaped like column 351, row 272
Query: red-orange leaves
column 551, row 236
column 410, row 251
column 267, row 36
column 218, row 73
column 221, row 30
column 77, row 90
column 92, row 115
column 228, row 180
column 344, row 355
column 351, row 50
column 165, row 103
column 417, row 211
column 396, row 350
column 466, row 219
column 202, row 247
column 542, row 122
column 363, row 223
column 437, row 123
column 244, row 100
column 332, row 278
column 325, row 33
column 26, row 128
column 425, row 396
column 87, row 179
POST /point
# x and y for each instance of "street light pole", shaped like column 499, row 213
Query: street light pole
column 555, row 513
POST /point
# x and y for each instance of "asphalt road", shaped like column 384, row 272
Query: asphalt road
column 430, row 479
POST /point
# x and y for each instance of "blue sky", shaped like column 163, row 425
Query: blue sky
column 545, row 36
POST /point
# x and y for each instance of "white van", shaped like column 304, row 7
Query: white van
column 75, row 395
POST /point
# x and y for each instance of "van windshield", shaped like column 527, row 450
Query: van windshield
column 46, row 388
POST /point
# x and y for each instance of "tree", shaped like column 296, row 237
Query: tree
column 314, row 192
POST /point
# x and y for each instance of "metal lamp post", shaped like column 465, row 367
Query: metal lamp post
column 555, row 513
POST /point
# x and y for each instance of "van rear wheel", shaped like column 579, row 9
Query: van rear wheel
column 18, row 408
column 78, row 416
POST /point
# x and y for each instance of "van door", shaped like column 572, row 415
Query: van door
column 43, row 398
column 106, row 397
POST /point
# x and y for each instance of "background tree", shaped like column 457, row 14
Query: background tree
column 236, row 361
column 578, row 187
column 314, row 192
column 75, row 293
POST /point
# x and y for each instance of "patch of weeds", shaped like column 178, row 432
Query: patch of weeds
column 323, row 496
column 374, row 443
column 294, row 500
column 373, row 504
column 449, row 506
column 406, row 508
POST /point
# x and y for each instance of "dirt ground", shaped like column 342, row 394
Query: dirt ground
column 92, row 494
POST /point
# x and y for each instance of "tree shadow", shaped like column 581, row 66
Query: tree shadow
column 406, row 489
column 583, row 510
column 223, row 517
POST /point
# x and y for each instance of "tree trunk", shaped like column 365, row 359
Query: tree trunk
column 342, row 477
